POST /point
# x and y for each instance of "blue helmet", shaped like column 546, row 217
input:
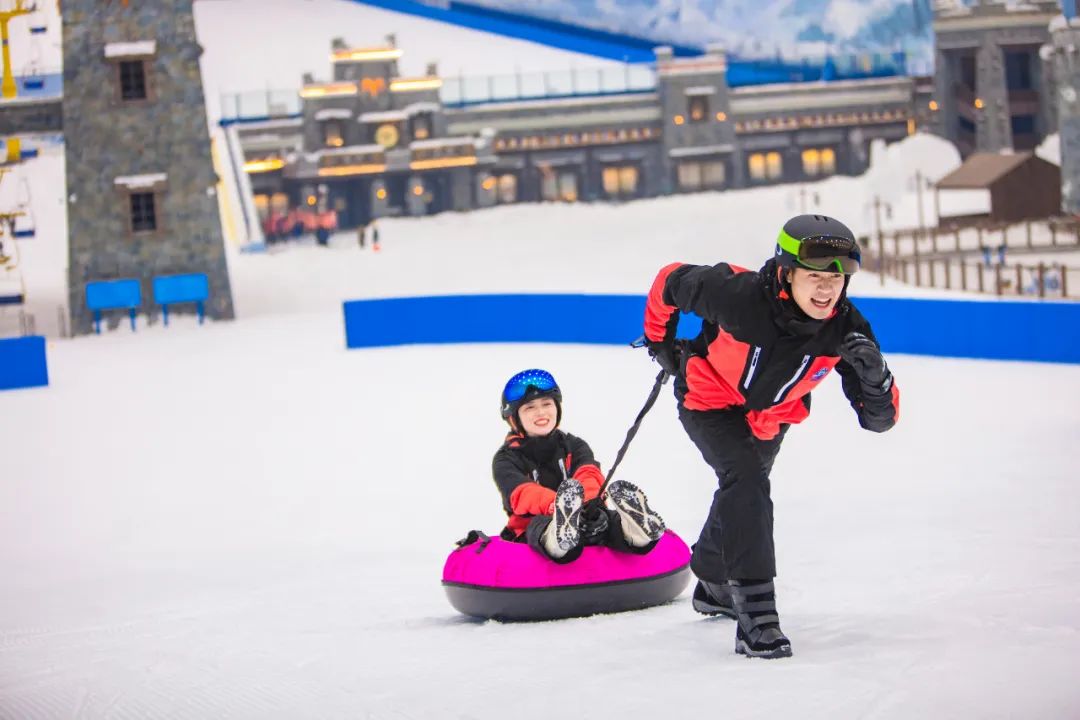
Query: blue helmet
column 525, row 386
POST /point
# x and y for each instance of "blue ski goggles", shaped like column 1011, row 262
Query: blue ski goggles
column 518, row 386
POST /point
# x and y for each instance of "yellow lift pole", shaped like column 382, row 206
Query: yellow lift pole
column 8, row 88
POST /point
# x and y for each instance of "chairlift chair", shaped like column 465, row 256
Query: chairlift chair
column 39, row 21
column 24, row 226
column 33, row 75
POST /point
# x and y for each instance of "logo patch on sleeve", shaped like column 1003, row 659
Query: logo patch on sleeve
column 819, row 374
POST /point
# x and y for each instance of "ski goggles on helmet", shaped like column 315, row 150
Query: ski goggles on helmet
column 826, row 253
column 518, row 386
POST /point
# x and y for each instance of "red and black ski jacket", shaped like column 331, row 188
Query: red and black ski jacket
column 528, row 470
column 757, row 350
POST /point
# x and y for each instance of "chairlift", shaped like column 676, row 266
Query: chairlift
column 24, row 226
column 39, row 22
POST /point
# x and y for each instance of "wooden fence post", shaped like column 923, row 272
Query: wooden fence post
column 948, row 274
column 1029, row 233
column 997, row 278
column 930, row 266
column 1042, row 280
column 982, row 282
column 963, row 274
column 1019, row 279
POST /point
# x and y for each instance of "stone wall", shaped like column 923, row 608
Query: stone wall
column 107, row 138
column 1065, row 49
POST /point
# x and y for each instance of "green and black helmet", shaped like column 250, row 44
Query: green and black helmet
column 818, row 242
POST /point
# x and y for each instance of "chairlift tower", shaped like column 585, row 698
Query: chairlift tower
column 8, row 88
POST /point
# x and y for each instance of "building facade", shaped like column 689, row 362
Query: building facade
column 369, row 143
column 140, row 182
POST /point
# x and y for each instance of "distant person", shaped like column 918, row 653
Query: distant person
column 375, row 236
column 361, row 232
column 550, row 482
column 768, row 338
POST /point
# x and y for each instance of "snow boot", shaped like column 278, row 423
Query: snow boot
column 759, row 633
column 713, row 599
column 640, row 525
column 563, row 533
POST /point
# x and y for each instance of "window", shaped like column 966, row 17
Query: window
column 1022, row 124
column 143, row 217
column 332, row 136
column 421, row 126
column 713, row 174
column 765, row 166
column 698, row 175
column 689, row 175
column 507, row 188
column 699, row 108
column 819, row 161
column 1018, row 70
column 132, row 80
column 620, row 181
column 967, row 71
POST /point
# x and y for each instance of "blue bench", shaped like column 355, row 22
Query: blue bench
column 22, row 363
column 113, row 295
column 172, row 289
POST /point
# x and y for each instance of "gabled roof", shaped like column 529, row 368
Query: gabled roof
column 981, row 170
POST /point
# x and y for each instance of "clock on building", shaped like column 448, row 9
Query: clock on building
column 387, row 135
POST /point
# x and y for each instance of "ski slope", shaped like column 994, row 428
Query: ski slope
column 246, row 520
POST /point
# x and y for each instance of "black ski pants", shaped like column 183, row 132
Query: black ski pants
column 736, row 542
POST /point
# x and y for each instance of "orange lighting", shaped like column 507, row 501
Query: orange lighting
column 488, row 184
column 362, row 169
column 261, row 166
column 431, row 83
column 911, row 126
column 368, row 54
column 380, row 194
column 311, row 200
column 679, row 119
column 933, row 105
column 442, row 163
column 721, row 116
column 328, row 90
column 979, row 104
column 418, row 190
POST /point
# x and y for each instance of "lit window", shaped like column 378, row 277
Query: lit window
column 332, row 134
column 828, row 161
column 568, row 187
column 421, row 126
column 611, row 181
column 713, row 174
column 698, row 108
column 811, row 162
column 679, row 119
column 508, row 188
column 756, row 163
column 689, row 175
column 774, row 165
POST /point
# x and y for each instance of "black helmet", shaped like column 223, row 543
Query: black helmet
column 818, row 242
column 525, row 386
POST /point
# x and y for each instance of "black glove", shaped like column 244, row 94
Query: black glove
column 594, row 522
column 666, row 355
column 863, row 355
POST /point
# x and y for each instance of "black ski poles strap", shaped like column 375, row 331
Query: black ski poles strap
column 660, row 380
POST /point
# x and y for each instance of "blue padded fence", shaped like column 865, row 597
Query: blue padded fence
column 22, row 363
column 1041, row 331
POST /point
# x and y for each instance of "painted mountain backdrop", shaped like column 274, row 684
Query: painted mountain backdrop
column 753, row 28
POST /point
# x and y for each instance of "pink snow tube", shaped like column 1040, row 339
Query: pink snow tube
column 493, row 578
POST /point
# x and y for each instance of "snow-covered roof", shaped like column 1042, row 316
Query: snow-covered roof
column 441, row 143
column 385, row 116
column 350, row 150
column 333, row 114
column 140, row 48
column 421, row 107
column 135, row 182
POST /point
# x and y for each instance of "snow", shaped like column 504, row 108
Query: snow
column 135, row 182
column 252, row 59
column 1050, row 149
column 130, row 49
column 247, row 520
column 333, row 114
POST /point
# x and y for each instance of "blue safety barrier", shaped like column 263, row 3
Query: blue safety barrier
column 113, row 295
column 23, row 363
column 172, row 289
column 1040, row 331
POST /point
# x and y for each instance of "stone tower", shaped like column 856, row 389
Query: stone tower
column 1064, row 54
column 990, row 92
column 140, row 181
